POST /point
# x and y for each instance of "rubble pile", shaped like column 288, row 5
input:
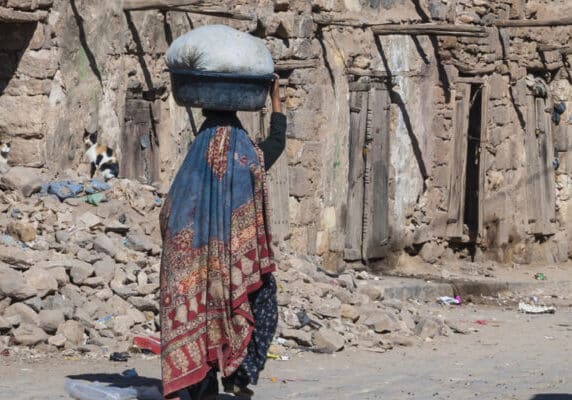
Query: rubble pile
column 326, row 313
column 79, row 270
column 79, row 267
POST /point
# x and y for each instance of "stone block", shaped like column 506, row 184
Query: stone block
column 73, row 331
column 500, row 115
column 50, row 320
column 26, row 314
column 41, row 64
column 22, row 231
column 300, row 183
column 17, row 119
column 42, row 280
column 29, row 335
column 27, row 152
column 26, row 86
column 328, row 340
column 14, row 285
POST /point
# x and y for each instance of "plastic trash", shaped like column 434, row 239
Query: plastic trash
column 151, row 343
column 539, row 276
column 535, row 309
column 80, row 390
column 103, row 320
column 96, row 186
column 119, row 356
column 65, row 189
column 220, row 48
column 95, row 198
column 130, row 373
column 446, row 300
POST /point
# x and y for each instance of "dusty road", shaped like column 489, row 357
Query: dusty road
column 513, row 356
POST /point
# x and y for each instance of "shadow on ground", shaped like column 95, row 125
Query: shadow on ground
column 118, row 380
column 552, row 396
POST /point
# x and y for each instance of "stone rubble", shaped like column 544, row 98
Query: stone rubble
column 88, row 279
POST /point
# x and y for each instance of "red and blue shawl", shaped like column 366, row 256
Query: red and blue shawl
column 216, row 249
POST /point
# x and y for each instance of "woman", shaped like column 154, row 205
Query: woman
column 218, row 295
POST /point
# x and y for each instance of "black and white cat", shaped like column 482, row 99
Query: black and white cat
column 100, row 157
column 4, row 151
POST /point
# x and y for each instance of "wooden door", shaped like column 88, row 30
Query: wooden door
column 367, row 217
column 459, row 163
column 139, row 145
column 539, row 156
column 257, row 125
column 376, row 177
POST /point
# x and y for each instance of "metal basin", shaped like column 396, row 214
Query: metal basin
column 220, row 91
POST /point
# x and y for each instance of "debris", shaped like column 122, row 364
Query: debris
column 151, row 343
column 481, row 322
column 130, row 373
column 120, row 357
column 446, row 300
column 535, row 309
column 63, row 189
column 539, row 276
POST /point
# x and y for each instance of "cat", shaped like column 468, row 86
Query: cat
column 4, row 151
column 100, row 157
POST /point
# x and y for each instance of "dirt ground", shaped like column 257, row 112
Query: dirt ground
column 507, row 356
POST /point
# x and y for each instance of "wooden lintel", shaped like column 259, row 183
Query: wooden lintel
column 135, row 5
column 366, row 72
column 531, row 23
column 203, row 7
column 14, row 16
column 333, row 19
column 288, row 65
column 429, row 29
column 560, row 49
column 469, row 69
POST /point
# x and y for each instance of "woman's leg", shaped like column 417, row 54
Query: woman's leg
column 265, row 312
column 207, row 389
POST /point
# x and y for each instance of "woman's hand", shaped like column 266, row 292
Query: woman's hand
column 275, row 94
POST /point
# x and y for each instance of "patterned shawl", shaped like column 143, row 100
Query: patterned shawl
column 215, row 251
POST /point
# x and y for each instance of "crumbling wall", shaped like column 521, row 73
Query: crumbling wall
column 91, row 66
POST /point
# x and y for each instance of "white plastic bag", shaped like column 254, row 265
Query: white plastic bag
column 219, row 48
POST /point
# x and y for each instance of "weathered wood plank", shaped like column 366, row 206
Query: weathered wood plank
column 457, row 169
column 483, row 157
column 429, row 29
column 354, row 215
column 132, row 5
column 530, row 23
column 14, row 16
column 190, row 6
column 546, row 147
column 287, row 65
column 533, row 181
column 376, row 178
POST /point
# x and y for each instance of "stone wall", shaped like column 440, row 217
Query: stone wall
column 86, row 64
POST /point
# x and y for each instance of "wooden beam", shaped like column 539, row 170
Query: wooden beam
column 560, row 49
column 469, row 69
column 429, row 29
column 334, row 19
column 288, row 65
column 531, row 23
column 136, row 5
column 191, row 6
column 13, row 16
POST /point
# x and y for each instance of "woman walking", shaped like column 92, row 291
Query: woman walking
column 218, row 294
